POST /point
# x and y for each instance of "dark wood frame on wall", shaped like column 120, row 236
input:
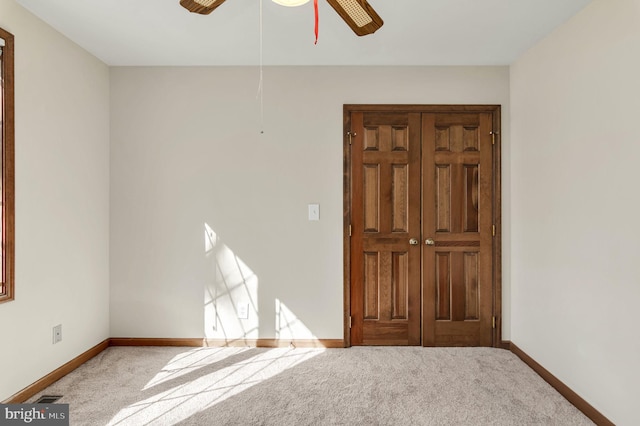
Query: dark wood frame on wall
column 7, row 161
column 495, row 110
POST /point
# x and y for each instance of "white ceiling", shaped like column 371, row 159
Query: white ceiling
column 415, row 32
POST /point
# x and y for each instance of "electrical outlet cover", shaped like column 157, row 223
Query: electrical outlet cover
column 243, row 310
column 57, row 333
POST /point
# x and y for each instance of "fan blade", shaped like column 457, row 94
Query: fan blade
column 203, row 7
column 358, row 15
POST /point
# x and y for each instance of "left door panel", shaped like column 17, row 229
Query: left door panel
column 386, row 199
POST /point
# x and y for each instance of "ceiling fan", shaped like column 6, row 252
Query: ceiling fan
column 358, row 14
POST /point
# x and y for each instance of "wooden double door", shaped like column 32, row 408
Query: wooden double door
column 420, row 197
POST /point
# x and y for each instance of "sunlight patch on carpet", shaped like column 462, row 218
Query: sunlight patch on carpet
column 192, row 396
column 190, row 362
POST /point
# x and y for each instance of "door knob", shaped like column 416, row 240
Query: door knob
column 414, row 242
column 429, row 242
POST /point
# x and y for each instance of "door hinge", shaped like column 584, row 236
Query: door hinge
column 494, row 322
column 349, row 230
column 493, row 137
column 493, row 230
column 350, row 321
column 351, row 136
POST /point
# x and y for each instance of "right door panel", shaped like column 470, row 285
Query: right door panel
column 457, row 229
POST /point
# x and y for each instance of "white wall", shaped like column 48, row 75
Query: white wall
column 187, row 153
column 575, row 207
column 62, row 215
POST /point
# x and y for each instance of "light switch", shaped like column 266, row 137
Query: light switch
column 314, row 211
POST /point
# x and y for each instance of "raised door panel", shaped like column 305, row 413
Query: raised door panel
column 457, row 295
column 385, row 299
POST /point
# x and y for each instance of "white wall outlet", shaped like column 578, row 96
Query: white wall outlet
column 243, row 310
column 314, row 211
column 57, row 333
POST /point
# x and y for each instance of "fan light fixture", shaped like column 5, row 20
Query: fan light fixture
column 291, row 3
column 203, row 7
column 358, row 15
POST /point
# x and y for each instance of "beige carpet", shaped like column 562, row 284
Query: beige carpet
column 356, row 386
